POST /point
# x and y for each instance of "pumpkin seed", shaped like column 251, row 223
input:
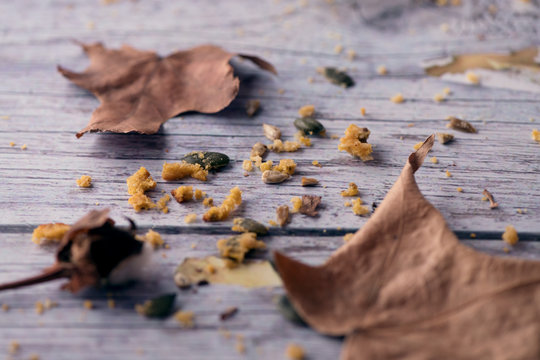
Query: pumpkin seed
column 207, row 159
column 336, row 76
column 444, row 137
column 271, row 132
column 249, row 225
column 286, row 309
column 159, row 307
column 274, row 177
column 461, row 125
column 309, row 125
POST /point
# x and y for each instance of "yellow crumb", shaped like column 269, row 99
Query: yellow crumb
column 444, row 27
column 11, row 144
column 162, row 203
column 363, row 111
column 398, row 98
column 310, row 79
column 358, row 208
column 351, row 191
column 140, row 201
column 190, row 218
column 247, row 165
column 297, row 204
column 459, row 189
column 535, row 135
column 5, row 307
column 177, row 171
column 473, row 236
column 4, row 117
column 434, row 160
column 185, row 318
column 351, row 54
column 295, row 352
column 286, row 166
column 281, row 91
column 240, row 347
column 299, row 136
column 347, row 237
column 272, row 222
column 88, row 304
column 24, row 147
column 84, row 181
column 199, row 194
column 506, row 250
column 266, row 165
column 193, row 245
column 355, row 142
column 14, row 346
column 47, row 233
column 510, row 235
column 448, row 173
column 153, row 238
column 418, row 145
column 306, row 111
column 140, row 182
column 237, row 246
column 39, row 307
column 316, row 163
column 208, row 202
column 447, row 91
column 347, row 204
column 287, row 146
column 233, row 200
column 111, row 304
column 381, row 70
column 183, row 193
column 438, row 97
column 472, row 77
column 338, row 49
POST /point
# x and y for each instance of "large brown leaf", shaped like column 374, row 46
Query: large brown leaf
column 405, row 288
column 139, row 90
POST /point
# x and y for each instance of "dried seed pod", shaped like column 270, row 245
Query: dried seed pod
column 274, row 177
column 282, row 215
column 91, row 253
column 271, row 132
column 249, row 225
column 461, row 125
column 252, row 107
column 444, row 138
column 309, row 181
column 259, row 149
column 159, row 307
column 207, row 159
column 309, row 125
column 336, row 76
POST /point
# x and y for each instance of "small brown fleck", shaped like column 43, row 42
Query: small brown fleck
column 282, row 215
column 309, row 181
column 461, row 125
column 252, row 107
column 228, row 313
column 444, row 138
column 309, row 205
column 492, row 203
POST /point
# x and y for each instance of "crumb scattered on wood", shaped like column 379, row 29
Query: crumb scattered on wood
column 84, row 181
column 231, row 202
column 510, row 235
column 444, row 138
column 295, row 352
column 489, row 196
column 355, row 142
column 352, row 190
column 49, row 233
column 398, row 98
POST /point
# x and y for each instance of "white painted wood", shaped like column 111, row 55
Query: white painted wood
column 45, row 111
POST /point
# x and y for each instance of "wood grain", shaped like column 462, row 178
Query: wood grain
column 44, row 111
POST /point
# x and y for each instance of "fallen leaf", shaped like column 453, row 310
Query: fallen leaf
column 213, row 270
column 404, row 287
column 139, row 90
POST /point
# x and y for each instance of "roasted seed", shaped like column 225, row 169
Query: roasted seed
column 249, row 225
column 309, row 181
column 207, row 159
column 274, row 177
column 160, row 306
column 271, row 132
column 259, row 149
column 309, row 125
column 282, row 215
column 252, row 107
column 461, row 125
column 336, row 76
column 444, row 137
column 492, row 203
column 228, row 313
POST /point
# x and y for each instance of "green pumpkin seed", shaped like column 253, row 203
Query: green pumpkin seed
column 159, row 307
column 286, row 309
column 336, row 76
column 309, row 125
column 207, row 159
column 249, row 225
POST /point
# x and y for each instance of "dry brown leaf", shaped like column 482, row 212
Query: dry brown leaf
column 139, row 90
column 405, row 288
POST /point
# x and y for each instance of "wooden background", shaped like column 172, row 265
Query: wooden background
column 43, row 110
